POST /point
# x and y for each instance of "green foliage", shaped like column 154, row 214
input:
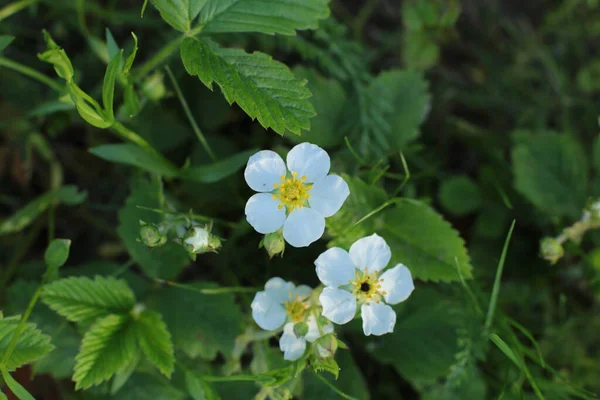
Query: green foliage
column 350, row 381
column 31, row 345
column 219, row 170
column 5, row 41
column 106, row 348
column 459, row 195
column 130, row 154
column 264, row 88
column 14, row 386
column 179, row 13
column 551, row 172
column 84, row 300
column 68, row 195
column 57, row 253
column 155, row 341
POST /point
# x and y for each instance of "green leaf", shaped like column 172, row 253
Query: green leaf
column 422, row 240
column 111, row 44
column 328, row 99
column 108, row 86
column 350, row 381
column 3, row 396
column 262, row 16
column 264, row 88
column 179, row 13
column 164, row 262
column 83, row 299
column 106, row 347
column 424, row 340
column 131, row 57
column 143, row 386
column 219, row 170
column 31, row 345
column 199, row 389
column 460, row 195
column 25, row 216
column 123, row 375
column 551, row 172
column 201, row 325
column 155, row 341
column 5, row 40
column 131, row 154
column 57, row 253
column 14, row 386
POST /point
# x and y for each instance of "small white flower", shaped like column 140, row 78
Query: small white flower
column 280, row 302
column 297, row 198
column 293, row 347
column 197, row 238
column 353, row 278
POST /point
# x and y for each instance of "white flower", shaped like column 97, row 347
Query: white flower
column 293, row 347
column 280, row 302
column 353, row 279
column 297, row 198
column 197, row 238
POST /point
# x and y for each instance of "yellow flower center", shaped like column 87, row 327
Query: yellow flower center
column 366, row 287
column 292, row 192
column 295, row 309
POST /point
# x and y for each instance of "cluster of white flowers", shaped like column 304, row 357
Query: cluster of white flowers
column 294, row 202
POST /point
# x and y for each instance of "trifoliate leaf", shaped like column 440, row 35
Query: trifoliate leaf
column 551, row 172
column 424, row 340
column 155, row 341
column 31, row 345
column 423, row 241
column 164, row 262
column 201, row 325
column 83, row 299
column 264, row 88
column 106, row 347
column 262, row 16
column 26, row 215
column 459, row 195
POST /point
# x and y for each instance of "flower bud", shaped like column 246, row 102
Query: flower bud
column 153, row 87
column 300, row 329
column 326, row 345
column 58, row 58
column 199, row 240
column 150, row 235
column 274, row 243
column 551, row 250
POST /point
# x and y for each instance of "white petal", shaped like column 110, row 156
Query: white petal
column 378, row 319
column 339, row 306
column 267, row 312
column 397, row 283
column 302, row 291
column 263, row 214
column 309, row 160
column 313, row 329
column 370, row 252
column 199, row 240
column 303, row 226
column 328, row 195
column 334, row 267
column 263, row 170
column 279, row 290
column 292, row 347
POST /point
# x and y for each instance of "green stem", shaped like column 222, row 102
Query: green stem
column 15, row 7
column 332, row 387
column 32, row 73
column 221, row 290
column 189, row 115
column 232, row 378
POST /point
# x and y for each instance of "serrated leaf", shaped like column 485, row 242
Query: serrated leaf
column 551, row 172
column 424, row 341
column 155, row 341
column 219, row 170
column 422, row 240
column 123, row 375
column 107, row 347
column 31, row 345
column 131, row 154
column 262, row 16
column 164, row 262
column 179, row 13
column 201, row 325
column 264, row 88
column 25, row 216
column 82, row 299
column 326, row 365
column 459, row 195
column 19, row 391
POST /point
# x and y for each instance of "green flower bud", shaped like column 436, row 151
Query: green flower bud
column 300, row 329
column 151, row 236
column 326, row 346
column 153, row 87
column 551, row 250
column 274, row 243
column 58, row 58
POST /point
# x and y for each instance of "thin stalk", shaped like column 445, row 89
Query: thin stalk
column 32, row 73
column 232, row 378
column 231, row 289
column 14, row 8
column 332, row 387
column 189, row 115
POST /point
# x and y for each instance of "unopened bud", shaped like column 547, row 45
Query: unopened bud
column 150, row 235
column 199, row 240
column 300, row 329
column 326, row 345
column 274, row 243
column 153, row 87
column 551, row 250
